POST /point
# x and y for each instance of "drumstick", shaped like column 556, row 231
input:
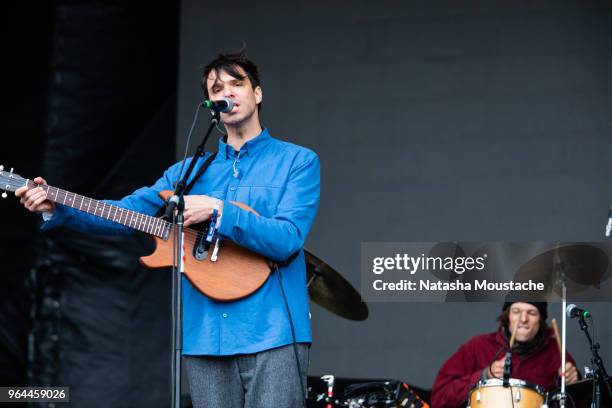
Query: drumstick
column 557, row 336
column 513, row 336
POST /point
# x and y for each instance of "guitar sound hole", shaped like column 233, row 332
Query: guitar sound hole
column 201, row 247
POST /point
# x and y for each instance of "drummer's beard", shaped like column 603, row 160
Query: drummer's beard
column 525, row 348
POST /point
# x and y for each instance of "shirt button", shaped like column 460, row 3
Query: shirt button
column 233, row 188
column 224, row 315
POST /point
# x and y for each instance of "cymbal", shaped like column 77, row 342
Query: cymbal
column 583, row 266
column 330, row 290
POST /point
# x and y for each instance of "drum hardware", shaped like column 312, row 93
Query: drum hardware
column 581, row 393
column 599, row 373
column 562, row 281
column 570, row 268
column 329, row 380
column 508, row 358
column 372, row 394
column 558, row 398
column 517, row 395
column 386, row 394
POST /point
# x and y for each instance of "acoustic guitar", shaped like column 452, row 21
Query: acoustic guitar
column 236, row 273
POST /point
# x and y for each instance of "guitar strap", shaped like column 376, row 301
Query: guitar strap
column 286, row 262
column 201, row 171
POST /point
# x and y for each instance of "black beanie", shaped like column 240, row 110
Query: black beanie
column 541, row 306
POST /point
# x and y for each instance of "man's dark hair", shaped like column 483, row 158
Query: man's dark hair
column 230, row 63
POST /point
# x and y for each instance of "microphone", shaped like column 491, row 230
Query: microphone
column 609, row 226
column 574, row 311
column 222, row 105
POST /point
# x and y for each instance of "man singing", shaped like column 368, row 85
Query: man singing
column 239, row 353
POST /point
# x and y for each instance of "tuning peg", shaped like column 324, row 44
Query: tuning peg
column 4, row 195
column 1, row 167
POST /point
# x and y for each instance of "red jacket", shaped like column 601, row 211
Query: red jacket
column 464, row 368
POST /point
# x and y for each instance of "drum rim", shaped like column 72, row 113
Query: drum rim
column 514, row 382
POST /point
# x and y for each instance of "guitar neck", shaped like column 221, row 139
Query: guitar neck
column 132, row 219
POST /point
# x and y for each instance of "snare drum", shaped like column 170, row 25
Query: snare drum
column 492, row 394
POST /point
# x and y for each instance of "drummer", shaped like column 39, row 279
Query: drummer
column 536, row 358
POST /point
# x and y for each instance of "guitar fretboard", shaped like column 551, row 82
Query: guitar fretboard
column 132, row 219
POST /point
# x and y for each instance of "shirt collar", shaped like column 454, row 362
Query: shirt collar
column 249, row 148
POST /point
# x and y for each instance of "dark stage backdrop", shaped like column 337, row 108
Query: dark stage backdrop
column 434, row 121
column 91, row 106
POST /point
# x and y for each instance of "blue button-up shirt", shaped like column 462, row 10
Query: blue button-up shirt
column 280, row 181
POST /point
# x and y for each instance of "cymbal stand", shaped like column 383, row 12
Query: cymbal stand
column 316, row 273
column 329, row 399
column 561, row 280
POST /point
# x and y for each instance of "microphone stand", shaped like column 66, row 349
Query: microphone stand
column 599, row 374
column 508, row 359
column 177, row 202
column 507, row 369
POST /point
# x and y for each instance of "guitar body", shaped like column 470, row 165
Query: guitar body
column 235, row 274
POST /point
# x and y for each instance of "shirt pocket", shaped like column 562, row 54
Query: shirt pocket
column 264, row 200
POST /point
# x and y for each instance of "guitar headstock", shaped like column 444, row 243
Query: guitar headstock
column 10, row 181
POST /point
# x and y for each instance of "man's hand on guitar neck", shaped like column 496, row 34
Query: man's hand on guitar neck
column 199, row 208
column 35, row 199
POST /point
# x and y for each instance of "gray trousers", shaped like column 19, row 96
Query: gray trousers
column 267, row 379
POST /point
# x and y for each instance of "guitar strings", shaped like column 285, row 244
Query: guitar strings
column 14, row 183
